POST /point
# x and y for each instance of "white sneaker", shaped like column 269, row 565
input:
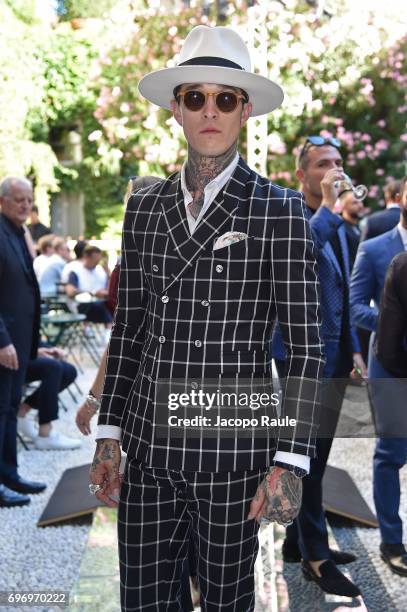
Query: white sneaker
column 27, row 427
column 56, row 441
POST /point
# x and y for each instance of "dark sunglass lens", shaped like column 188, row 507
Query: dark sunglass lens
column 194, row 100
column 226, row 101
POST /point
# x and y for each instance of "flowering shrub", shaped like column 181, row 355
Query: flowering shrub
column 343, row 75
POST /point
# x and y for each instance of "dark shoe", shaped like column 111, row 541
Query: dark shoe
column 9, row 498
column 24, row 486
column 331, row 580
column 291, row 554
column 395, row 556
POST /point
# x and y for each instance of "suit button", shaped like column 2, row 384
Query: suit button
column 194, row 385
column 165, row 299
column 219, row 269
column 155, row 268
column 205, row 303
column 198, row 343
column 161, row 339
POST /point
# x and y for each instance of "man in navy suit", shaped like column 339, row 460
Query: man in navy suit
column 384, row 220
column 19, row 317
column 368, row 277
column 319, row 166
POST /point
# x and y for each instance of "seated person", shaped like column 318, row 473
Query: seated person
column 90, row 277
column 46, row 250
column 52, row 271
column 55, row 375
column 74, row 263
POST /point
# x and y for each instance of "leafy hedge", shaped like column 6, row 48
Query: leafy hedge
column 343, row 75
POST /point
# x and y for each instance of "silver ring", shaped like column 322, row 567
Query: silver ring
column 94, row 488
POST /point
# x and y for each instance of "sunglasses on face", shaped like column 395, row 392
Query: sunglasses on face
column 319, row 141
column 226, row 101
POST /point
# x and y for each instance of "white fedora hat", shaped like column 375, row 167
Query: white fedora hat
column 213, row 55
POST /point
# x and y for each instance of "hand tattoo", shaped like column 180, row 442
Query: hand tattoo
column 106, row 450
column 201, row 170
column 283, row 492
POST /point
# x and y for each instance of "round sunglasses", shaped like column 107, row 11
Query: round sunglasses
column 226, row 101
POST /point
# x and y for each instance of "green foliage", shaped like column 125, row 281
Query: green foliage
column 71, row 9
column 73, row 119
column 350, row 86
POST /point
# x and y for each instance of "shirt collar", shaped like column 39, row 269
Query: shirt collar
column 393, row 205
column 217, row 183
column 403, row 234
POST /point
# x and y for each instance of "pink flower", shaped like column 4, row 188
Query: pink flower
column 380, row 172
column 367, row 88
column 373, row 191
column 361, row 154
column 381, row 123
column 403, row 137
column 381, row 145
column 365, row 138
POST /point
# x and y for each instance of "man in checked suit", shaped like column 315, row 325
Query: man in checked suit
column 210, row 256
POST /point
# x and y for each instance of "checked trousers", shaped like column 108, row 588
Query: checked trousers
column 160, row 511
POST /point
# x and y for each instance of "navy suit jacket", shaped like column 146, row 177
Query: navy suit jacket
column 19, row 296
column 323, row 225
column 369, row 272
column 380, row 222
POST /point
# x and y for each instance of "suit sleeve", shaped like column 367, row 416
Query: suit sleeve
column 362, row 290
column 5, row 339
column 296, row 293
column 128, row 331
column 324, row 225
column 391, row 337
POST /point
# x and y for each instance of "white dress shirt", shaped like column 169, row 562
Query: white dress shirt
column 210, row 192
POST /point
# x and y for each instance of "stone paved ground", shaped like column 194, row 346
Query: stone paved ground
column 282, row 588
column 83, row 559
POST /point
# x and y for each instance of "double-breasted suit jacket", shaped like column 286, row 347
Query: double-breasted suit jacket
column 188, row 311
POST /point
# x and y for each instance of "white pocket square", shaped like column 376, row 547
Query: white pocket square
column 228, row 239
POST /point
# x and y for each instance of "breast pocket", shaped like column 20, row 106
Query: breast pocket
column 239, row 261
column 234, row 250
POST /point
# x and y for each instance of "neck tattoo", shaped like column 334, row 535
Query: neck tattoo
column 201, row 170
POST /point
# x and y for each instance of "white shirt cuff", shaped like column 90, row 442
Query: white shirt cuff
column 108, row 431
column 301, row 461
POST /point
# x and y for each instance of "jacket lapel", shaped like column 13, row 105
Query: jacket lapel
column 396, row 245
column 345, row 250
column 216, row 221
column 332, row 257
column 13, row 241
